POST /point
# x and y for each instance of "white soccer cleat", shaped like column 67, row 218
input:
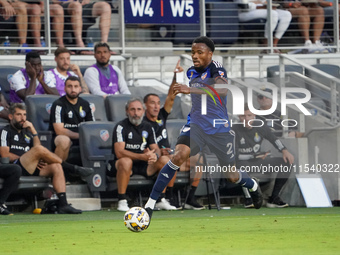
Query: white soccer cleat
column 165, row 205
column 123, row 205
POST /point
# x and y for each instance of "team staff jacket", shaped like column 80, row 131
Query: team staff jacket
column 160, row 128
column 216, row 104
column 63, row 111
column 136, row 138
column 18, row 142
column 248, row 141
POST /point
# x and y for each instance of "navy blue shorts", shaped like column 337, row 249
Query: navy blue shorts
column 24, row 172
column 220, row 144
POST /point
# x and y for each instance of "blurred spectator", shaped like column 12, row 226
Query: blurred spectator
column 17, row 9
column 34, row 10
column 102, row 78
column 67, row 113
column 78, row 11
column 20, row 143
column 306, row 11
column 63, row 70
column 273, row 120
column 29, row 80
column 3, row 108
column 257, row 9
column 135, row 151
column 248, row 140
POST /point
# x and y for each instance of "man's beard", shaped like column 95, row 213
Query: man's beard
column 135, row 121
column 72, row 96
column 102, row 64
column 199, row 69
column 18, row 125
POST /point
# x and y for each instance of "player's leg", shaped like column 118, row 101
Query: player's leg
column 274, row 201
column 55, row 171
column 123, row 172
column 195, row 165
column 11, row 174
column 182, row 152
column 62, row 146
column 162, row 203
column 217, row 144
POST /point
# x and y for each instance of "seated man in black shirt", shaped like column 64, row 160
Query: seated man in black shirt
column 67, row 113
column 21, row 144
column 248, row 140
column 135, row 151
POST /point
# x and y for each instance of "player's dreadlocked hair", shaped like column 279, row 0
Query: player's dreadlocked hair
column 207, row 41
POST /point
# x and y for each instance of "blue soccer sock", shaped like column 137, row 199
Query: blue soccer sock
column 246, row 181
column 164, row 177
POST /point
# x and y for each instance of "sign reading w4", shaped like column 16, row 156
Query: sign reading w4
column 161, row 11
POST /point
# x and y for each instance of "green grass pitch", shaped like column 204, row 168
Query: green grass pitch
column 235, row 231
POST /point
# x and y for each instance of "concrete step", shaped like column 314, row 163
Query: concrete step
column 85, row 204
column 77, row 191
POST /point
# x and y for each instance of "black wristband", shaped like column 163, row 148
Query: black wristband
column 35, row 134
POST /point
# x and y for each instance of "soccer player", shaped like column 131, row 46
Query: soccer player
column 56, row 77
column 67, row 113
column 29, row 80
column 135, row 151
column 103, row 78
column 199, row 131
column 21, row 144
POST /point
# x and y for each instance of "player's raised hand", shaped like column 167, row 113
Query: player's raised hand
column 181, row 88
column 178, row 68
column 75, row 68
column 30, row 70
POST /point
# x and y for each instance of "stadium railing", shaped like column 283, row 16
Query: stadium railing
column 219, row 20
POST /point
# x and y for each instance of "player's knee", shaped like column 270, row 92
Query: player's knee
column 124, row 165
column 39, row 150
column 57, row 169
column 62, row 141
column 163, row 160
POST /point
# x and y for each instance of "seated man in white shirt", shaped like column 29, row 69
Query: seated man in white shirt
column 56, row 77
column 102, row 78
column 30, row 80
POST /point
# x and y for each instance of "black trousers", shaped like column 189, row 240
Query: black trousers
column 11, row 174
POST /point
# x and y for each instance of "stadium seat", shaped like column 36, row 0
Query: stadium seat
column 176, row 112
column 333, row 70
column 97, row 104
column 30, row 187
column 38, row 112
column 5, row 71
column 115, row 107
column 173, row 128
column 95, row 140
column 273, row 76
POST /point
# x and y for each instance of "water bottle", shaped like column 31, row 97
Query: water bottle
column 90, row 43
column 7, row 43
column 42, row 42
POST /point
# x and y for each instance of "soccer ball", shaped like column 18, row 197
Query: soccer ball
column 136, row 219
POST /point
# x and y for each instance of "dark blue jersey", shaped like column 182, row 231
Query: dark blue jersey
column 216, row 104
